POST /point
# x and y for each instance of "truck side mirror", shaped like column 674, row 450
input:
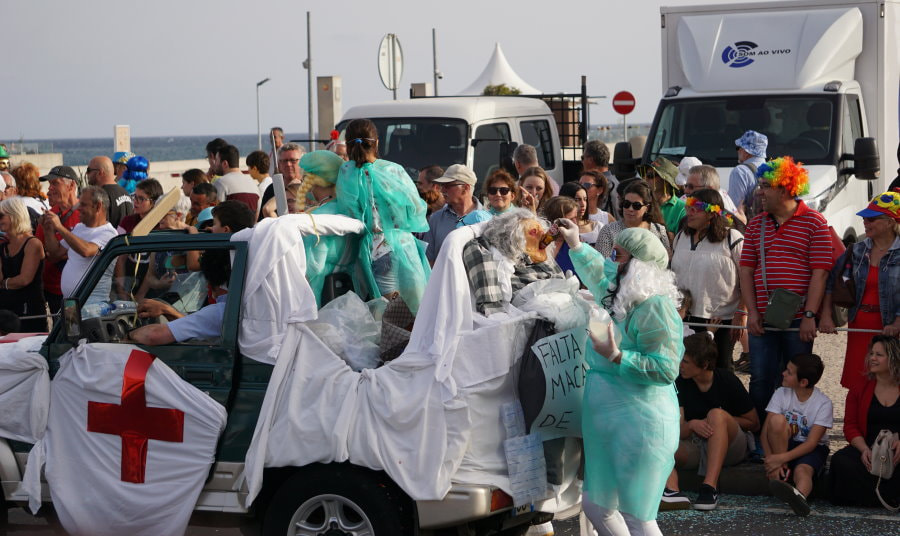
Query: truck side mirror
column 865, row 160
column 623, row 164
column 71, row 316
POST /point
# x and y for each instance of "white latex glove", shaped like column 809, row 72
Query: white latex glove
column 607, row 346
column 569, row 231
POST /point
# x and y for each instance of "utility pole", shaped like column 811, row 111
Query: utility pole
column 437, row 73
column 309, row 76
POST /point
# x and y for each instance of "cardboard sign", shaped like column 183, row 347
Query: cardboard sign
column 562, row 356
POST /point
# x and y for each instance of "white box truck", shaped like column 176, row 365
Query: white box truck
column 815, row 77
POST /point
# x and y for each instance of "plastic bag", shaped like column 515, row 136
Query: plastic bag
column 349, row 329
column 556, row 300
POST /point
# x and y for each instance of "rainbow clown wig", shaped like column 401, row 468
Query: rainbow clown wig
column 784, row 172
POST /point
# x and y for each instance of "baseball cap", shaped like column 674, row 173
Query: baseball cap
column 61, row 172
column 884, row 204
column 684, row 169
column 122, row 157
column 458, row 173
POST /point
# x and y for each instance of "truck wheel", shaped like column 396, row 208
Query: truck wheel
column 339, row 500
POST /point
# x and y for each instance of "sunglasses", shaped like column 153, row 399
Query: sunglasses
column 634, row 205
column 872, row 219
column 587, row 185
column 494, row 190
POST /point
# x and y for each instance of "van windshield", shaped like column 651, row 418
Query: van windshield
column 416, row 142
column 796, row 125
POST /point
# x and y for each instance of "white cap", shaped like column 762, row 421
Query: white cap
column 684, row 168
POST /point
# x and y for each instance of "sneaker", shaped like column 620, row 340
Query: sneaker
column 674, row 500
column 791, row 496
column 708, row 499
column 544, row 529
column 743, row 363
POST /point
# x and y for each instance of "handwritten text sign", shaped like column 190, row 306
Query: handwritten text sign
column 562, row 358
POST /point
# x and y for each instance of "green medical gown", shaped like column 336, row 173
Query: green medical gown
column 326, row 255
column 401, row 212
column 630, row 419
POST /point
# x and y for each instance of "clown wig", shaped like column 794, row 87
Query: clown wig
column 784, row 172
column 136, row 172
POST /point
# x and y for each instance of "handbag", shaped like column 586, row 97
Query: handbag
column 883, row 462
column 843, row 293
column 783, row 304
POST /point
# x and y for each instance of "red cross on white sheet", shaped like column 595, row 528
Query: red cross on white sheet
column 133, row 421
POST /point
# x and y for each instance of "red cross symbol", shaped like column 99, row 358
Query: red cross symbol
column 133, row 421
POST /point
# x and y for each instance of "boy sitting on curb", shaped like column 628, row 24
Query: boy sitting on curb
column 794, row 436
column 716, row 414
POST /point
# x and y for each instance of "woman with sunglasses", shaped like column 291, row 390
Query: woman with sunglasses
column 501, row 192
column 639, row 210
column 588, row 229
column 706, row 258
column 597, row 187
column 874, row 266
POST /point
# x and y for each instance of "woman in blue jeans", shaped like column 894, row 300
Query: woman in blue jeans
column 874, row 266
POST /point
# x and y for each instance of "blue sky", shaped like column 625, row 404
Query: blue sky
column 167, row 67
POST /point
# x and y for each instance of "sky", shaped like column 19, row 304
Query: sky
column 190, row 67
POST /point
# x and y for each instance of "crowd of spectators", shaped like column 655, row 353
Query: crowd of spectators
column 734, row 251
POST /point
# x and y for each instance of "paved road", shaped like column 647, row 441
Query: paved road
column 736, row 515
column 766, row 516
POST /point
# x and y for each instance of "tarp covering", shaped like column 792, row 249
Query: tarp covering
column 128, row 446
column 24, row 390
column 276, row 292
column 498, row 71
column 429, row 418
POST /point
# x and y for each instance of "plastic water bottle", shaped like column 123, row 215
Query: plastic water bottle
column 123, row 305
column 91, row 310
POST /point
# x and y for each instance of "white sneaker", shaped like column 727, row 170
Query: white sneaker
column 544, row 529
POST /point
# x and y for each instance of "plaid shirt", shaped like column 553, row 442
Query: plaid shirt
column 482, row 270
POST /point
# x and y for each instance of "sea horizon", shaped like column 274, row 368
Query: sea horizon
column 79, row 151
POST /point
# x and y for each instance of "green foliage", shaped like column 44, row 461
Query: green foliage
column 501, row 89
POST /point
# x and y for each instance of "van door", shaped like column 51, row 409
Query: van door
column 486, row 153
column 537, row 133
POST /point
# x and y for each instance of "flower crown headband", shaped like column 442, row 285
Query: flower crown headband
column 709, row 208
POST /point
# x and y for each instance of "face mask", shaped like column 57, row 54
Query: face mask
column 610, row 269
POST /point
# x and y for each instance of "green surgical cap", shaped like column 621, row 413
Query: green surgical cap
column 323, row 164
column 643, row 245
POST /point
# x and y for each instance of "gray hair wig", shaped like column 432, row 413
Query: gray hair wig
column 505, row 232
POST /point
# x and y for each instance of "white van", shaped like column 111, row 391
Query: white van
column 461, row 130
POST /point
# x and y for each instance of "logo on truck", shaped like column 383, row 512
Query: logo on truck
column 739, row 54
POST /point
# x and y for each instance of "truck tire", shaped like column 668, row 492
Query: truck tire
column 339, row 500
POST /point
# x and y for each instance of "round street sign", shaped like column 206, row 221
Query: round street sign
column 623, row 102
column 390, row 61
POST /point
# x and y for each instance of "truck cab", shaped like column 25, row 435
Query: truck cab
column 461, row 130
column 819, row 79
column 355, row 496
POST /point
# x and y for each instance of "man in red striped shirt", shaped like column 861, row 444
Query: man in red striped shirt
column 797, row 258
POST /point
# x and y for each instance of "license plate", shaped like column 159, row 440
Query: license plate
column 524, row 509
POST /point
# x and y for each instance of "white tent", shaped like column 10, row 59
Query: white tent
column 498, row 71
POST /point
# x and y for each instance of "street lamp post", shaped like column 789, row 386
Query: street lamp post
column 258, row 131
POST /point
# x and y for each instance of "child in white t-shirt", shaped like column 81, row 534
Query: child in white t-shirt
column 795, row 434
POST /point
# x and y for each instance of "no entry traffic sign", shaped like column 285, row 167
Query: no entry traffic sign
column 623, row 102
